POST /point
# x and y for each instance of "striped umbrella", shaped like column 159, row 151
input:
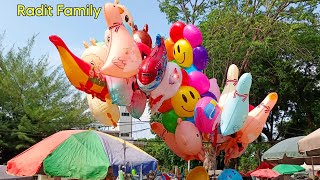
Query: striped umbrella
column 80, row 154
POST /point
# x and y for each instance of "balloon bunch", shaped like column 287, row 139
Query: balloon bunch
column 125, row 70
column 193, row 109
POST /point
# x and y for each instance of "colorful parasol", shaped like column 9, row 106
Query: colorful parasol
column 265, row 173
column 80, row 154
column 288, row 168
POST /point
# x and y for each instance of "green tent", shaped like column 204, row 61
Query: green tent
column 288, row 168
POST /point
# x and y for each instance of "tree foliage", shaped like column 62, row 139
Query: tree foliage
column 278, row 42
column 35, row 101
column 189, row 11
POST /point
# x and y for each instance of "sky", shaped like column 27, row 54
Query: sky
column 74, row 30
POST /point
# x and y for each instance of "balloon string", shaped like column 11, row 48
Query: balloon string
column 244, row 96
column 116, row 25
column 234, row 81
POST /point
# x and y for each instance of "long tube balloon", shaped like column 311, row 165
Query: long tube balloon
column 236, row 110
column 257, row 119
column 231, row 83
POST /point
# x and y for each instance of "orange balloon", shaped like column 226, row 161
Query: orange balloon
column 169, row 46
column 166, row 106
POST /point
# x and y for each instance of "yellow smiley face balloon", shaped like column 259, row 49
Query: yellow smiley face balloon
column 185, row 100
column 182, row 52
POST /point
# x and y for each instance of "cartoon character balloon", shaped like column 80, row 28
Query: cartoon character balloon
column 138, row 104
column 82, row 75
column 151, row 70
column 105, row 112
column 172, row 80
column 142, row 36
column 170, row 140
column 120, row 89
column 188, row 139
column 123, row 58
column 125, row 15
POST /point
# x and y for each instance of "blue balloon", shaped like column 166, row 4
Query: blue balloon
column 191, row 119
column 190, row 69
column 229, row 174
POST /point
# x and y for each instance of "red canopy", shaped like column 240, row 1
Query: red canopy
column 263, row 165
column 265, row 173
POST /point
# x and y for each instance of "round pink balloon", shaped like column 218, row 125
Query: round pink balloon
column 199, row 81
column 193, row 35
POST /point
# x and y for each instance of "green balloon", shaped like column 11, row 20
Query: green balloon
column 169, row 121
column 133, row 172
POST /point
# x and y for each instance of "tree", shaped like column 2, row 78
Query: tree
column 278, row 42
column 35, row 101
column 189, row 11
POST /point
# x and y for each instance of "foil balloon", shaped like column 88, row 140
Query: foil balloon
column 199, row 81
column 214, row 88
column 170, row 140
column 188, row 139
column 185, row 100
column 256, row 120
column 125, row 15
column 169, row 46
column 142, row 36
column 171, row 80
column 176, row 31
column 81, row 74
column 144, row 50
column 138, row 104
column 95, row 54
column 151, row 71
column 206, row 113
column 200, row 57
column 123, row 58
column 183, row 54
column 193, row 35
column 228, row 90
column 105, row 112
column 236, row 108
column 120, row 90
